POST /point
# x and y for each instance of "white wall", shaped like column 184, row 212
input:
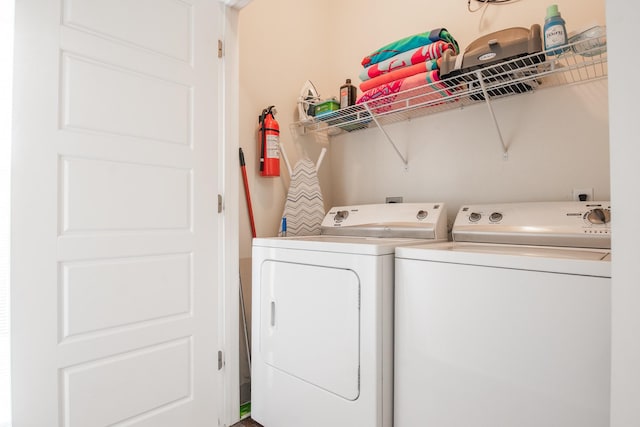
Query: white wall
column 625, row 176
column 6, row 74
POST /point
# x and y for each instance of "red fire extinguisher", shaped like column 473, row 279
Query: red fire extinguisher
column 269, row 143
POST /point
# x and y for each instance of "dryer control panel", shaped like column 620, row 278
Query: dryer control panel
column 567, row 224
column 389, row 220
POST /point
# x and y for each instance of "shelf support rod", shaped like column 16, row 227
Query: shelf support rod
column 384, row 132
column 505, row 152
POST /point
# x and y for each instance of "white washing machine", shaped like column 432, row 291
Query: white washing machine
column 509, row 324
column 322, row 336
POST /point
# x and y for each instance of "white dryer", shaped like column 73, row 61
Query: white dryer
column 322, row 336
column 509, row 324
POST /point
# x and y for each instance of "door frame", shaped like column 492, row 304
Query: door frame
column 229, row 311
column 6, row 84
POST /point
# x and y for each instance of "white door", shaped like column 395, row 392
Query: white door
column 115, row 262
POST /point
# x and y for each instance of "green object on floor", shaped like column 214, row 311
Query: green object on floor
column 245, row 409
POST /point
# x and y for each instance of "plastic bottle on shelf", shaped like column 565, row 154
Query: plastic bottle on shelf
column 347, row 94
column 555, row 32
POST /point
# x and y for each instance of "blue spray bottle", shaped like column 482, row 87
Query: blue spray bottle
column 555, row 32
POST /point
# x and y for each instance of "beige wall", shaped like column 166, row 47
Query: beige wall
column 558, row 139
column 373, row 23
column 625, row 152
column 282, row 44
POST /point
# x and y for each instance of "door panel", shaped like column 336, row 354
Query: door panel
column 115, row 226
column 101, row 196
column 170, row 32
column 105, row 391
column 101, row 97
column 102, row 295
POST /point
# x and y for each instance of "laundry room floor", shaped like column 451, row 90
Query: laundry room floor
column 247, row 422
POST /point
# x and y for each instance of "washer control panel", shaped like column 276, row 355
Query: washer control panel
column 411, row 220
column 571, row 224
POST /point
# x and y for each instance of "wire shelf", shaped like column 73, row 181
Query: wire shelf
column 582, row 61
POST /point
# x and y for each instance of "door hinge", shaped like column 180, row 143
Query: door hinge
column 220, row 360
column 219, row 203
column 220, row 49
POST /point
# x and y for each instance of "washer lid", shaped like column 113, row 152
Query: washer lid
column 586, row 262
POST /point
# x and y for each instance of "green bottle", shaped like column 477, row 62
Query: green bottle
column 555, row 32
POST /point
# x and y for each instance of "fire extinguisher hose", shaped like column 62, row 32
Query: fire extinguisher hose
column 247, row 193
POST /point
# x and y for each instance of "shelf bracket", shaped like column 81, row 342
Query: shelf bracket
column 405, row 162
column 505, row 151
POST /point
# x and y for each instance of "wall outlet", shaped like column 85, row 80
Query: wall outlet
column 396, row 199
column 577, row 192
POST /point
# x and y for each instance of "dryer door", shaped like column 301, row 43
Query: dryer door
column 310, row 324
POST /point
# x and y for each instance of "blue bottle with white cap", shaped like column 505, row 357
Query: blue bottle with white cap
column 555, row 32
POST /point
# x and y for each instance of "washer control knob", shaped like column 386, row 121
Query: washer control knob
column 341, row 216
column 599, row 216
column 495, row 217
column 422, row 214
column 474, row 217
